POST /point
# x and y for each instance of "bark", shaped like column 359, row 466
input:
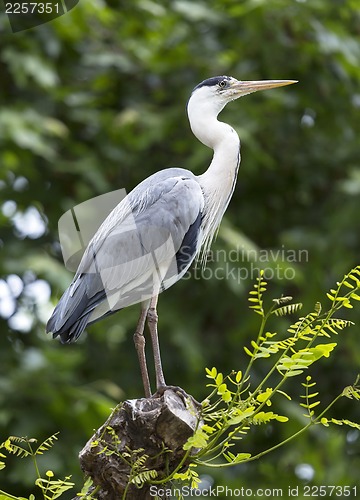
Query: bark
column 152, row 431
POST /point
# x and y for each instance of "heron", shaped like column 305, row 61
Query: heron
column 151, row 238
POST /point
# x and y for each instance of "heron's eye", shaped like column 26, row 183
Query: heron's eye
column 223, row 84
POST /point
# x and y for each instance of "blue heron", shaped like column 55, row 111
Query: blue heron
column 150, row 239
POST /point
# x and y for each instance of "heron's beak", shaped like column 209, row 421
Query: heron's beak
column 240, row 88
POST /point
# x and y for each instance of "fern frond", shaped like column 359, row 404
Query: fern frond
column 353, row 275
column 140, row 461
column 47, row 444
column 282, row 300
column 287, row 309
column 189, row 475
column 144, row 477
column 302, row 327
column 338, row 323
column 352, row 392
column 341, row 298
column 344, row 422
column 236, row 459
column 281, row 344
column 309, row 396
column 2, row 464
column 255, row 296
column 18, row 439
column 318, row 308
column 302, row 359
column 266, row 352
column 16, row 449
column 54, row 488
column 264, row 417
column 84, row 493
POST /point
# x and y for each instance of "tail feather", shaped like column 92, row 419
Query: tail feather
column 73, row 333
column 72, row 313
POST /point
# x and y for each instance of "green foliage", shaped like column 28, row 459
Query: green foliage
column 53, row 488
column 297, row 351
column 190, row 476
column 235, row 404
column 136, row 460
column 24, row 447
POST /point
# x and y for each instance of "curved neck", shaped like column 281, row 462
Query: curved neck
column 218, row 181
column 225, row 142
column 226, row 148
column 216, row 135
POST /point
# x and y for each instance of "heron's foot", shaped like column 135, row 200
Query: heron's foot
column 180, row 392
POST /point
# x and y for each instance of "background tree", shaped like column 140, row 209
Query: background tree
column 94, row 101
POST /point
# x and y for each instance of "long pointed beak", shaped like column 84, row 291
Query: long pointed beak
column 240, row 88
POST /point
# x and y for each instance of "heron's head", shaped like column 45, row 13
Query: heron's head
column 213, row 94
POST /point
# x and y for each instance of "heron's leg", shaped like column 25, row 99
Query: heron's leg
column 152, row 318
column 139, row 341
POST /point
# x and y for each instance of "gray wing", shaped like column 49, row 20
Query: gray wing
column 144, row 246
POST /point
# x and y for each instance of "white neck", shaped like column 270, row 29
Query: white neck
column 219, row 179
column 226, row 145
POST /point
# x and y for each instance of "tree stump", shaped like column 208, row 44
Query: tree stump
column 140, row 435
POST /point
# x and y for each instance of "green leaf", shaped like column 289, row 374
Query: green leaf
column 248, row 352
column 265, row 417
column 219, row 379
column 322, row 350
column 264, row 396
column 7, row 496
column 313, row 405
column 281, row 418
column 222, row 388
column 351, row 392
column 211, row 373
column 238, row 458
column 208, row 428
column 226, row 396
column 294, row 373
column 349, row 423
column 239, row 415
column 197, row 440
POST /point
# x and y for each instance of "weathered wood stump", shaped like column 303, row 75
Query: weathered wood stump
column 151, row 431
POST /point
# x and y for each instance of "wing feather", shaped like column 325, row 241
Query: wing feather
column 153, row 234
